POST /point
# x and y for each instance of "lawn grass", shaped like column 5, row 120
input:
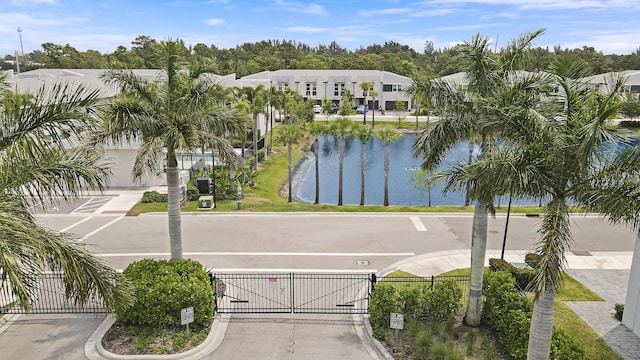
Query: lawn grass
column 571, row 290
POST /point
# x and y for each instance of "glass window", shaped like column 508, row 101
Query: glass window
column 338, row 89
column 311, row 89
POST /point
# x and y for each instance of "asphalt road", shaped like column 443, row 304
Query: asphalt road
column 313, row 241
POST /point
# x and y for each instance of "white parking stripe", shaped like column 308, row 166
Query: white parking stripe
column 101, row 228
column 76, row 224
column 260, row 254
column 417, row 223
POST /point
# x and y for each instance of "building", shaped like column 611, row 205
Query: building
column 121, row 155
column 332, row 84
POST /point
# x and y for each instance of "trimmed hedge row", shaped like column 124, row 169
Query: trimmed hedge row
column 162, row 288
column 522, row 276
column 509, row 315
column 439, row 304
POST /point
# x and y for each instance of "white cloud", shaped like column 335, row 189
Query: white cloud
column 31, row 2
column 305, row 29
column 389, row 11
column 214, row 21
column 302, row 8
column 620, row 42
column 545, row 4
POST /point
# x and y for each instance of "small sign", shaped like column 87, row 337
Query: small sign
column 397, row 321
column 273, row 283
column 186, row 315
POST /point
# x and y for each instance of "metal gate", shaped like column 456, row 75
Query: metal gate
column 293, row 293
column 49, row 299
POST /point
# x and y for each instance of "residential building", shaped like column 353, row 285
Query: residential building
column 332, row 84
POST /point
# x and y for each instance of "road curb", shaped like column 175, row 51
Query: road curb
column 94, row 350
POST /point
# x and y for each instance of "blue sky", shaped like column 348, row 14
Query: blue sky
column 610, row 26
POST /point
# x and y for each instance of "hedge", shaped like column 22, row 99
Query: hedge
column 163, row 288
column 509, row 315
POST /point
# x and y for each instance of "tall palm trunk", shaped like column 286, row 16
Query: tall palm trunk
column 173, row 189
column 467, row 199
column 266, row 135
column 386, row 174
column 316, row 147
column 363, row 163
column 289, row 151
column 255, row 141
column 541, row 333
column 341, row 154
column 478, row 252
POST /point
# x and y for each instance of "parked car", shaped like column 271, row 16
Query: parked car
column 361, row 109
column 317, row 109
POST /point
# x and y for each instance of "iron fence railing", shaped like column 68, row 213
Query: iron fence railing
column 49, row 298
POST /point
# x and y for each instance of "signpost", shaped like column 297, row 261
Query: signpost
column 186, row 318
column 397, row 322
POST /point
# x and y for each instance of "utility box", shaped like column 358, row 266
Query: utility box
column 204, row 185
column 206, row 202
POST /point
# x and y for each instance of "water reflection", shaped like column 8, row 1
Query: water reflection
column 402, row 166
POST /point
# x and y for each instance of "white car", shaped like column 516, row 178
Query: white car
column 317, row 109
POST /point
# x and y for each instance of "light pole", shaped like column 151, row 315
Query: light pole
column 21, row 50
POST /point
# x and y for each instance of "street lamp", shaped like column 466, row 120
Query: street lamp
column 21, row 50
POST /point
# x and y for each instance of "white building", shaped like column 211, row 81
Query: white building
column 122, row 155
column 331, row 84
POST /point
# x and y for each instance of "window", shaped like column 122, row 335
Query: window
column 338, row 89
column 282, row 86
column 392, row 87
column 311, row 89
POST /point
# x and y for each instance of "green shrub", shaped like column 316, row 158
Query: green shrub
column 619, row 311
column 384, row 300
column 410, row 301
column 522, row 276
column 629, row 124
column 532, row 259
column 154, row 197
column 564, row 347
column 509, row 315
column 444, row 301
column 193, row 194
column 163, row 288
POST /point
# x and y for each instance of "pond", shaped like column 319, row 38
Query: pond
column 402, row 166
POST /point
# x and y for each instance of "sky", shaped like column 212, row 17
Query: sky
column 609, row 26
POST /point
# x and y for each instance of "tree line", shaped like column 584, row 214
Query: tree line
column 249, row 58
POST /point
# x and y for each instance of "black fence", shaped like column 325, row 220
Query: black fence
column 49, row 299
column 293, row 293
column 428, row 281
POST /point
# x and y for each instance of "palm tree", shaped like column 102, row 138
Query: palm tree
column 388, row 135
column 256, row 97
column 340, row 130
column 463, row 120
column 374, row 95
column 317, row 129
column 41, row 161
column 364, row 134
column 366, row 87
column 167, row 114
column 578, row 144
column 558, row 157
column 289, row 134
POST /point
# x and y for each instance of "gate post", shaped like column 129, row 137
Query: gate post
column 212, row 278
column 374, row 279
column 292, row 289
